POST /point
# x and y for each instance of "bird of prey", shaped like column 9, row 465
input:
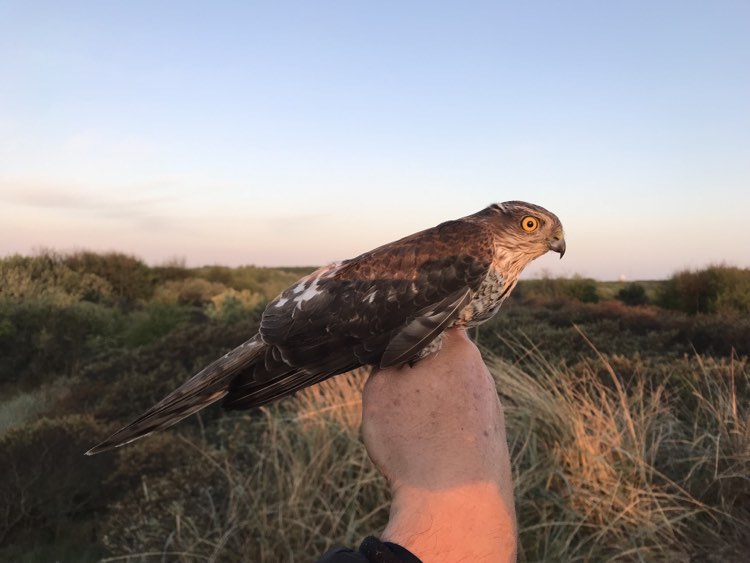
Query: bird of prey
column 387, row 307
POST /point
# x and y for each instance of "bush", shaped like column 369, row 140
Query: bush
column 582, row 289
column 189, row 291
column 129, row 278
column 25, row 406
column 42, row 340
column 714, row 289
column 46, row 486
column 633, row 294
column 119, row 385
column 232, row 305
column 550, row 290
column 717, row 335
column 48, row 278
column 153, row 322
column 268, row 282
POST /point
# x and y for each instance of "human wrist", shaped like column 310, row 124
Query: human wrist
column 467, row 522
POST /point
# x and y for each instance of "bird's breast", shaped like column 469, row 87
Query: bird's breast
column 491, row 294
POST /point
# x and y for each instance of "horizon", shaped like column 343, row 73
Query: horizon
column 296, row 134
column 528, row 273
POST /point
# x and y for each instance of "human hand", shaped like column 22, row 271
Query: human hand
column 437, row 432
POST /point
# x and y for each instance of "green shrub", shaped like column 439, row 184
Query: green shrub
column 268, row 282
column 42, row 339
column 171, row 270
column 232, row 305
column 549, row 290
column 582, row 289
column 717, row 335
column 154, row 321
column 189, row 291
column 119, row 385
column 633, row 294
column 129, row 278
column 546, row 289
column 711, row 290
column 22, row 407
column 47, row 277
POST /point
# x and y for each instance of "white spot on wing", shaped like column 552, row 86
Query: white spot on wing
column 281, row 302
column 307, row 294
column 307, row 287
column 371, row 297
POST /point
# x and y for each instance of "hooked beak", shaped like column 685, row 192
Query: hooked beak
column 558, row 244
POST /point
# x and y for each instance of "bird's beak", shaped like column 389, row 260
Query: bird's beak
column 558, row 244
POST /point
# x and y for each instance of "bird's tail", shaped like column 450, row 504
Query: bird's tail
column 206, row 387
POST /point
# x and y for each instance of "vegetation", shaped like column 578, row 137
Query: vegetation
column 633, row 294
column 627, row 410
column 718, row 289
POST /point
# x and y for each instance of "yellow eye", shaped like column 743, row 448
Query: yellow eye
column 530, row 224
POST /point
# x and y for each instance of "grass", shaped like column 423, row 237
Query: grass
column 648, row 471
column 585, row 455
column 281, row 486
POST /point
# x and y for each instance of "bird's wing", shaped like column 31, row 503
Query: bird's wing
column 419, row 331
column 269, row 380
column 382, row 307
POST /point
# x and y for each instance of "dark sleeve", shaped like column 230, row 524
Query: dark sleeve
column 372, row 550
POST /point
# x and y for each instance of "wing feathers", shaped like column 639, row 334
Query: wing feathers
column 249, row 395
column 422, row 330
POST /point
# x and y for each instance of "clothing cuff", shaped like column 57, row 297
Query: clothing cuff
column 372, row 550
column 377, row 551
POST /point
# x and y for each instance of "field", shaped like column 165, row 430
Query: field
column 627, row 408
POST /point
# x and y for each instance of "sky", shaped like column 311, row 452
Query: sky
column 299, row 133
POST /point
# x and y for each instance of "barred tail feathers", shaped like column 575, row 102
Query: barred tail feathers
column 204, row 388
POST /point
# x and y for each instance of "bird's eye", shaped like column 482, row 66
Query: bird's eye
column 530, row 224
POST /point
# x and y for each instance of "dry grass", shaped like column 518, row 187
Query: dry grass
column 585, row 477
column 283, row 486
column 651, row 471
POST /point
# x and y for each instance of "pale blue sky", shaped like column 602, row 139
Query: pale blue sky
column 304, row 132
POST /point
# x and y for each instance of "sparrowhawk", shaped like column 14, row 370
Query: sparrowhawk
column 386, row 307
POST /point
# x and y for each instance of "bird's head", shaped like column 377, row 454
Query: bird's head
column 527, row 228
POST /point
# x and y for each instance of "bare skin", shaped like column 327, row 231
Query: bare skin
column 437, row 432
